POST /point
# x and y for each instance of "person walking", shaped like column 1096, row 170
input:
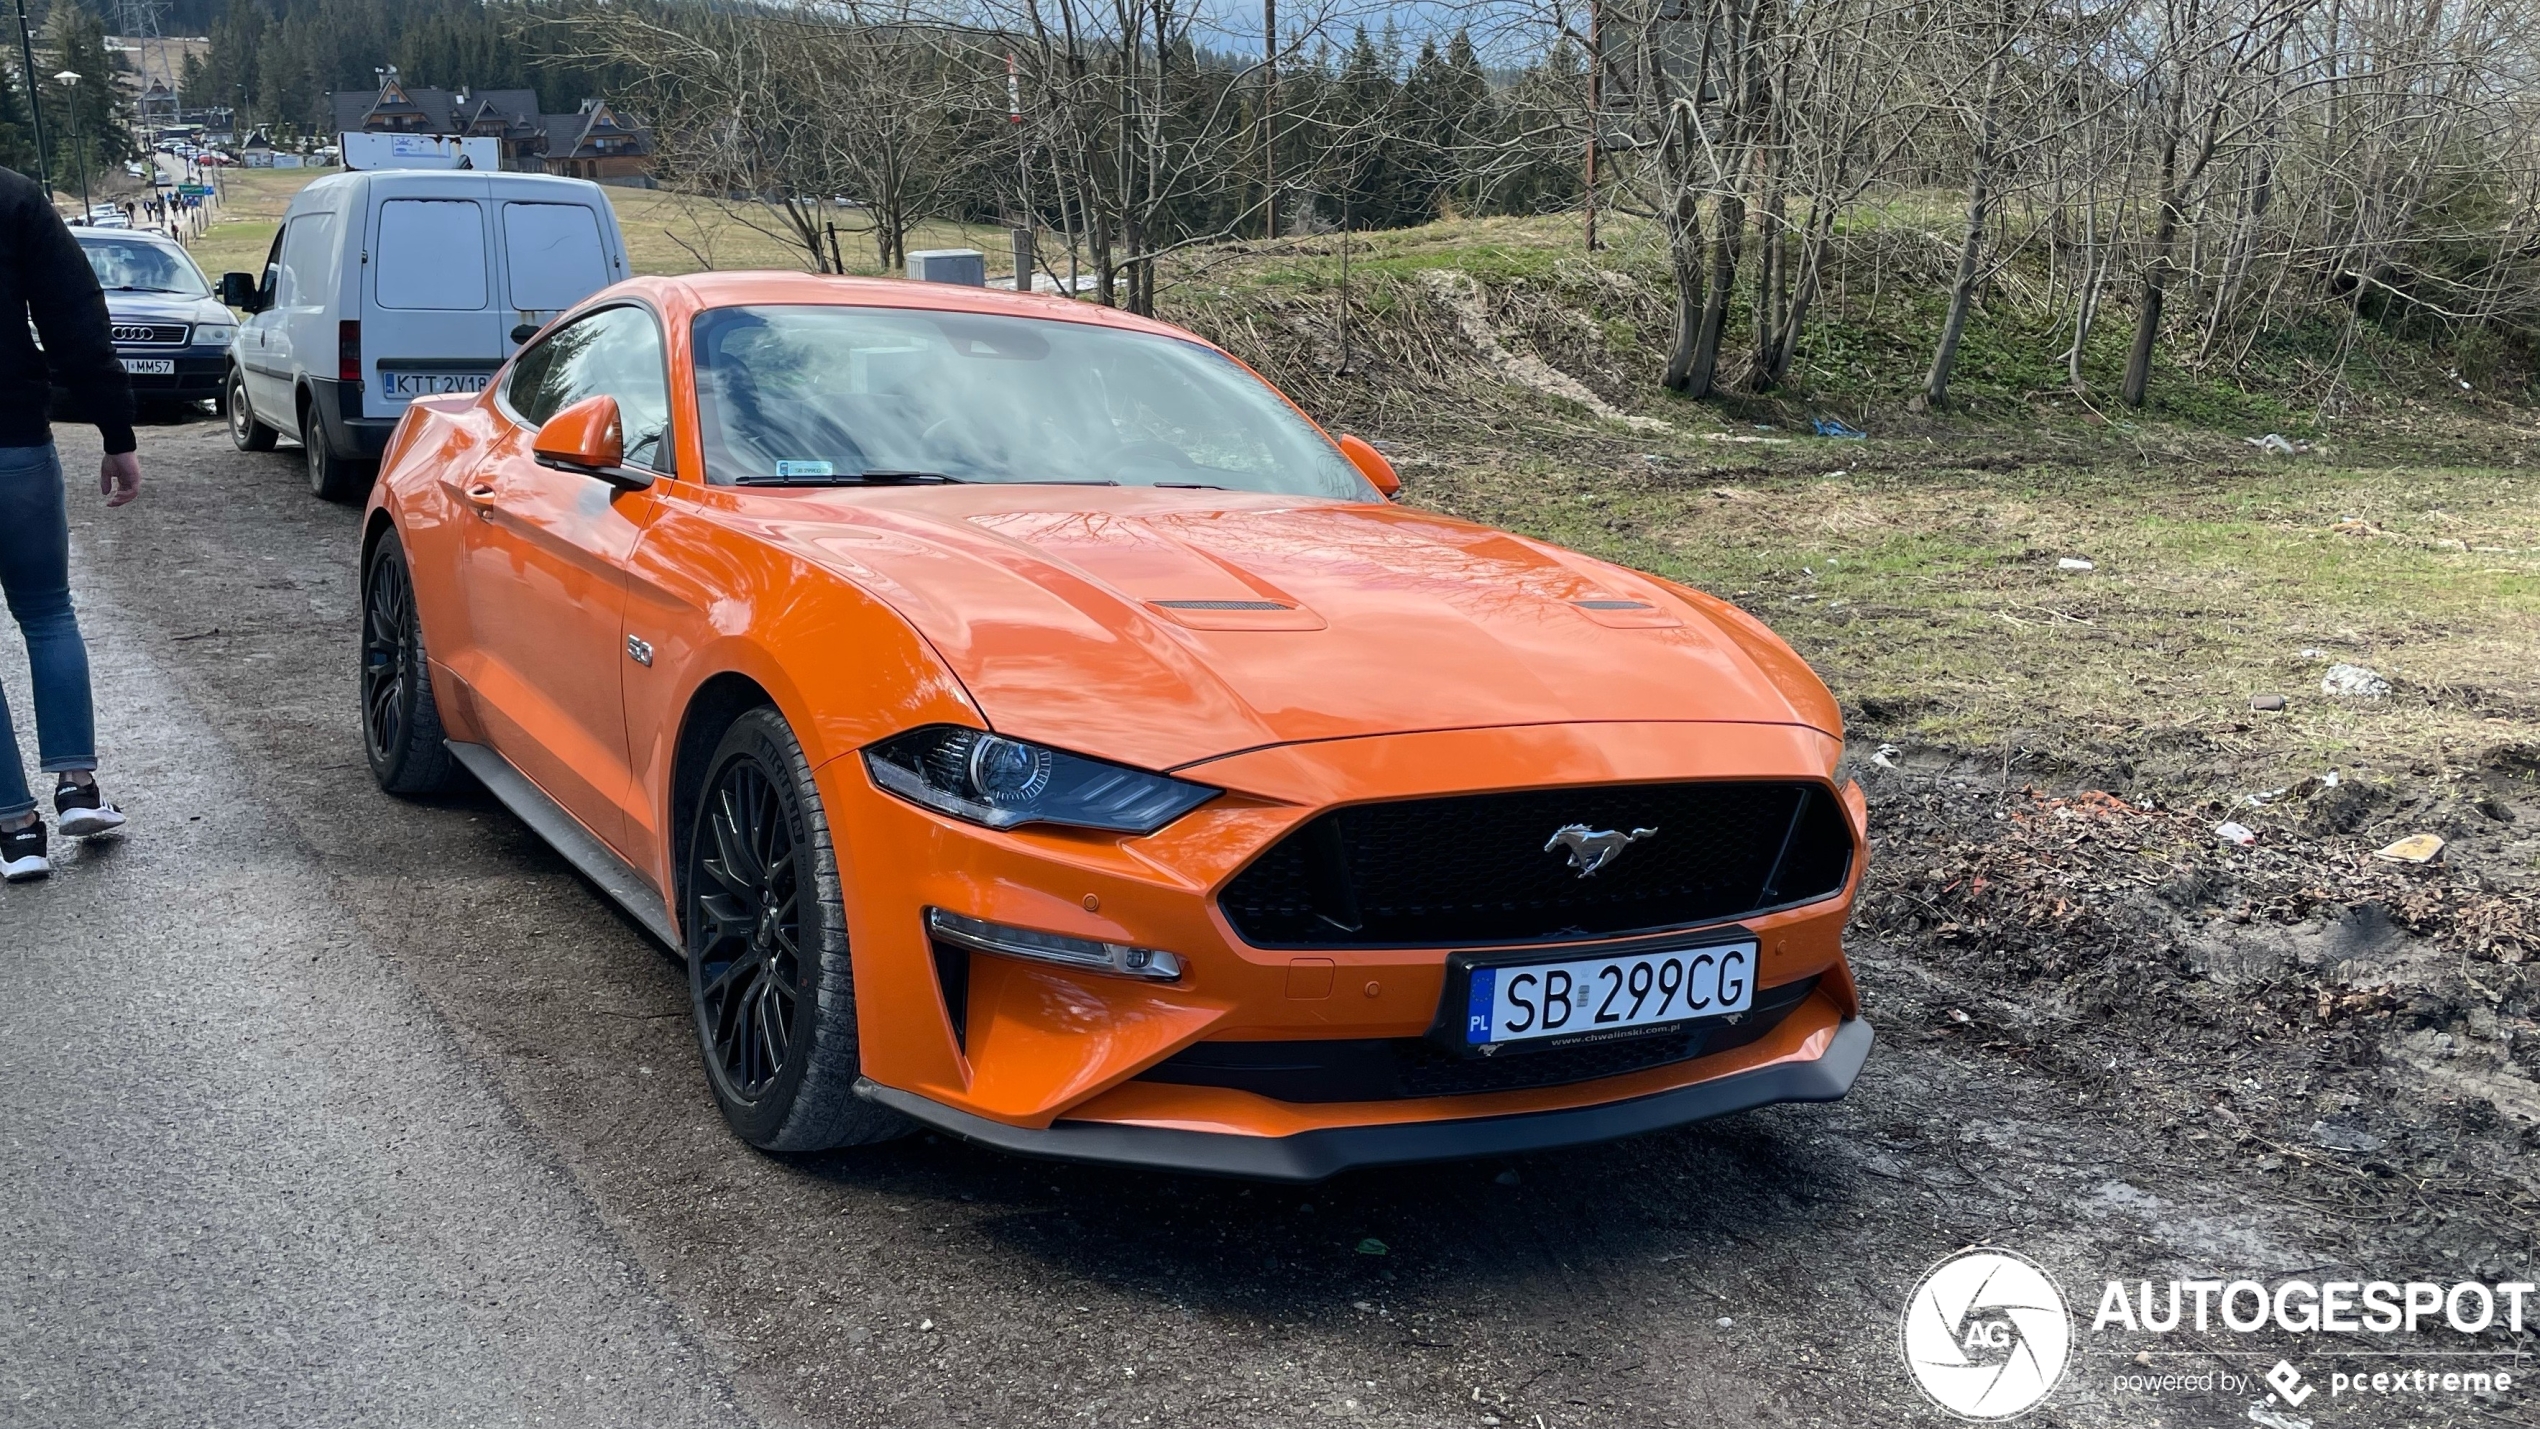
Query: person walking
column 45, row 276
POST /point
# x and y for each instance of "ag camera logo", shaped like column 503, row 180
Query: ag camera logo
column 1986, row 1334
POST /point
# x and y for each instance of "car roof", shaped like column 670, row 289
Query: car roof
column 732, row 289
column 85, row 231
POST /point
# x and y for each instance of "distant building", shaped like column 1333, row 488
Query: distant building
column 594, row 142
column 597, row 143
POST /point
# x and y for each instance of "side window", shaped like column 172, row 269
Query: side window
column 308, row 251
column 614, row 352
column 431, row 254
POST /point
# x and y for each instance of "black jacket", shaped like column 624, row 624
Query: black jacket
column 43, row 274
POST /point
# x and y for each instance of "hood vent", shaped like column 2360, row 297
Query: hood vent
column 1223, row 605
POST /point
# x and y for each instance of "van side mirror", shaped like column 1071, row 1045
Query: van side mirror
column 1372, row 465
column 586, row 438
column 524, row 332
column 238, row 290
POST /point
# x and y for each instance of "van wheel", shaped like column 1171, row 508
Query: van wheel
column 331, row 477
column 245, row 432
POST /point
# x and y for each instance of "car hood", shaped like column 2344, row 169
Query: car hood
column 165, row 308
column 1161, row 628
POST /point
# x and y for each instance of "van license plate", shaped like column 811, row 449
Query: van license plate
column 151, row 366
column 432, row 384
column 1592, row 999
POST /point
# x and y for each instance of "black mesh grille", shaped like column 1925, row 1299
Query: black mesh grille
column 1378, row 1069
column 1474, row 869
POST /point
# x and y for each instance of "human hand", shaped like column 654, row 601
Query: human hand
column 119, row 477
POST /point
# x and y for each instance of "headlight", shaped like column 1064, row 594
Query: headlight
column 214, row 333
column 1000, row 782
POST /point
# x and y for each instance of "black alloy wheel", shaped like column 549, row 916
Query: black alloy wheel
column 401, row 726
column 749, row 936
column 765, row 931
column 245, row 432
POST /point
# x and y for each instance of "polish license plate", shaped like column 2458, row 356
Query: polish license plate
column 150, row 366
column 1592, row 999
column 432, row 384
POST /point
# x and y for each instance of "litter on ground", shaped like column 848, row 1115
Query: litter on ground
column 2415, row 848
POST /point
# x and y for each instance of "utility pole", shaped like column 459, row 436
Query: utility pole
column 1595, row 116
column 1269, row 111
column 34, row 103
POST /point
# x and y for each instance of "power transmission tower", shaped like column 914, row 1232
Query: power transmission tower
column 159, row 103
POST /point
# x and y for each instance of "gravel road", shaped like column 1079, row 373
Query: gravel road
column 318, row 1107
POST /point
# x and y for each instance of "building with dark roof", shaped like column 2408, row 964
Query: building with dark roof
column 593, row 142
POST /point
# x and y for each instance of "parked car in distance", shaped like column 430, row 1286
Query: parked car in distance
column 1030, row 726
column 382, row 287
column 171, row 332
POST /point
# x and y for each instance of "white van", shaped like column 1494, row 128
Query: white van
column 382, row 287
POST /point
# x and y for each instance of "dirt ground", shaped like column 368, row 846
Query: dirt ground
column 2107, row 1040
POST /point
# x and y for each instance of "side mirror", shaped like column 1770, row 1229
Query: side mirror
column 585, row 437
column 238, row 290
column 1372, row 465
column 525, row 332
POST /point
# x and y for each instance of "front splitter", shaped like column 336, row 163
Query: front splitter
column 1314, row 1155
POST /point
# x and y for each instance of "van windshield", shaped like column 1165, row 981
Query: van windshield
column 136, row 265
column 835, row 394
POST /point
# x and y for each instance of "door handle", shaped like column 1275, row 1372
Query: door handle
column 481, row 497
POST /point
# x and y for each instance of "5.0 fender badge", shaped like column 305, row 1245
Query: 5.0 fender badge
column 1592, row 849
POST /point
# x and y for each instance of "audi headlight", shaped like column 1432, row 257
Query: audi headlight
column 214, row 334
column 990, row 779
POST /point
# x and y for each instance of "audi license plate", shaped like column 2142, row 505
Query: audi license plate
column 151, row 366
column 1592, row 999
column 432, row 384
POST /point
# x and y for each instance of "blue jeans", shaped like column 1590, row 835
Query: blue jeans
column 35, row 574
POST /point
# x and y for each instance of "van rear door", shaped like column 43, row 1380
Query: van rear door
column 553, row 257
column 433, row 322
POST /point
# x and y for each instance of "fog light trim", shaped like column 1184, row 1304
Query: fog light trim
column 1117, row 959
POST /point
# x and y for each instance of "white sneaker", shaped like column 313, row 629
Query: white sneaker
column 84, row 813
column 22, row 854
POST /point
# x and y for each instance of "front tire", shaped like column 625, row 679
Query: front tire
column 768, row 973
column 401, row 726
column 245, row 432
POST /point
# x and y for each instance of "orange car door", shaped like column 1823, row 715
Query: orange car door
column 546, row 567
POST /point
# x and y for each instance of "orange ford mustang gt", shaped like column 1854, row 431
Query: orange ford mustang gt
column 1028, row 724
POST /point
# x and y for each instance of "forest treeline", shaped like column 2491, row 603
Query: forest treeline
column 2199, row 177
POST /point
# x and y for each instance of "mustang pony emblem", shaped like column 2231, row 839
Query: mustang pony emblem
column 1592, row 849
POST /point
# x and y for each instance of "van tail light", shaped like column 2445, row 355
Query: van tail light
column 348, row 351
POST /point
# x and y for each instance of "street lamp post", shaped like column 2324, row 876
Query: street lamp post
column 69, row 80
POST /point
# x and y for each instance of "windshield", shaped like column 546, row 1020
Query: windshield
column 135, row 265
column 830, row 394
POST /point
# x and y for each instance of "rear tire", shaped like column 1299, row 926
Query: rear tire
column 331, row 477
column 401, row 726
column 245, row 432
column 766, row 936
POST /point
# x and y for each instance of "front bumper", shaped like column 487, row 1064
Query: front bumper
column 1313, row 1155
column 1055, row 1061
column 198, row 375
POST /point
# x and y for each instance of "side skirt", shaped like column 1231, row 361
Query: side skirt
column 595, row 860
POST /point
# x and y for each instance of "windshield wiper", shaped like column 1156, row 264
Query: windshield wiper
column 1188, row 486
column 855, row 478
column 137, row 288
